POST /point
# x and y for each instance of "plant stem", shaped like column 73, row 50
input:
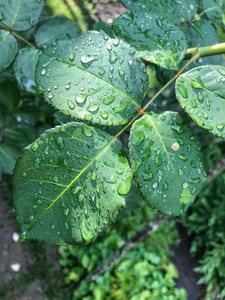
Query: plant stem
column 206, row 51
column 130, row 243
column 17, row 35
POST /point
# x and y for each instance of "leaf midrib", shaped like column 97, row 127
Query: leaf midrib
column 72, row 181
column 167, row 153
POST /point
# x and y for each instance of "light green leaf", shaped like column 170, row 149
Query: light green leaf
column 8, row 49
column 93, row 78
column 166, row 162
column 8, row 155
column 201, row 92
column 55, row 28
column 24, row 68
column 155, row 37
column 20, row 15
column 214, row 10
column 70, row 184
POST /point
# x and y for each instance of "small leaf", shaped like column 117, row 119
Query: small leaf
column 201, row 93
column 9, row 96
column 8, row 49
column 55, row 28
column 20, row 15
column 155, row 37
column 214, row 10
column 166, row 162
column 66, row 184
column 24, row 68
column 93, row 78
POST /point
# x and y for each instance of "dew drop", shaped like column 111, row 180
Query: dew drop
column 71, row 56
column 35, row 146
column 124, row 186
column 71, row 104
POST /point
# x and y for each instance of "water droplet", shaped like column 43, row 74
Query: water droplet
column 183, row 157
column 93, row 176
column 71, row 104
column 104, row 114
column 87, row 58
column 81, row 98
column 87, row 131
column 121, row 72
column 80, row 198
column 24, row 174
column 109, row 99
column 60, row 143
column 93, row 108
column 124, row 186
column 175, row 146
column 66, row 211
column 155, row 184
column 111, row 179
column 35, row 146
column 75, row 189
column 220, row 126
column 88, row 233
column 37, row 162
column 43, row 72
column 71, row 56
column 183, row 91
column 221, row 71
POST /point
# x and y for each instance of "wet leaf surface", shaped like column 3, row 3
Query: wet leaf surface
column 166, row 162
column 93, row 78
column 201, row 93
column 70, row 184
column 8, row 49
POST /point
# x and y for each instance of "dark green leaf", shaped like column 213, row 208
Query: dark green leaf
column 70, row 184
column 8, row 155
column 214, row 10
column 8, row 49
column 201, row 34
column 55, row 28
column 155, row 37
column 101, row 26
column 24, row 68
column 9, row 96
column 201, row 92
column 169, row 8
column 20, row 15
column 166, row 162
column 93, row 78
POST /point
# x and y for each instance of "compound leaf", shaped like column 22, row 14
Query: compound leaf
column 93, row 78
column 155, row 37
column 24, row 68
column 201, row 93
column 20, row 15
column 55, row 28
column 8, row 49
column 166, row 162
column 70, row 184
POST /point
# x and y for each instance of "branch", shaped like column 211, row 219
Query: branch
column 130, row 243
column 206, row 51
column 216, row 169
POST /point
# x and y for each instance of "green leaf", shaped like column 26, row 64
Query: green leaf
column 173, row 9
column 9, row 96
column 24, row 68
column 8, row 155
column 70, row 184
column 169, row 8
column 102, row 26
column 8, row 49
column 214, row 10
column 166, row 162
column 155, row 37
column 201, row 93
column 202, row 33
column 93, row 78
column 55, row 28
column 20, row 15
